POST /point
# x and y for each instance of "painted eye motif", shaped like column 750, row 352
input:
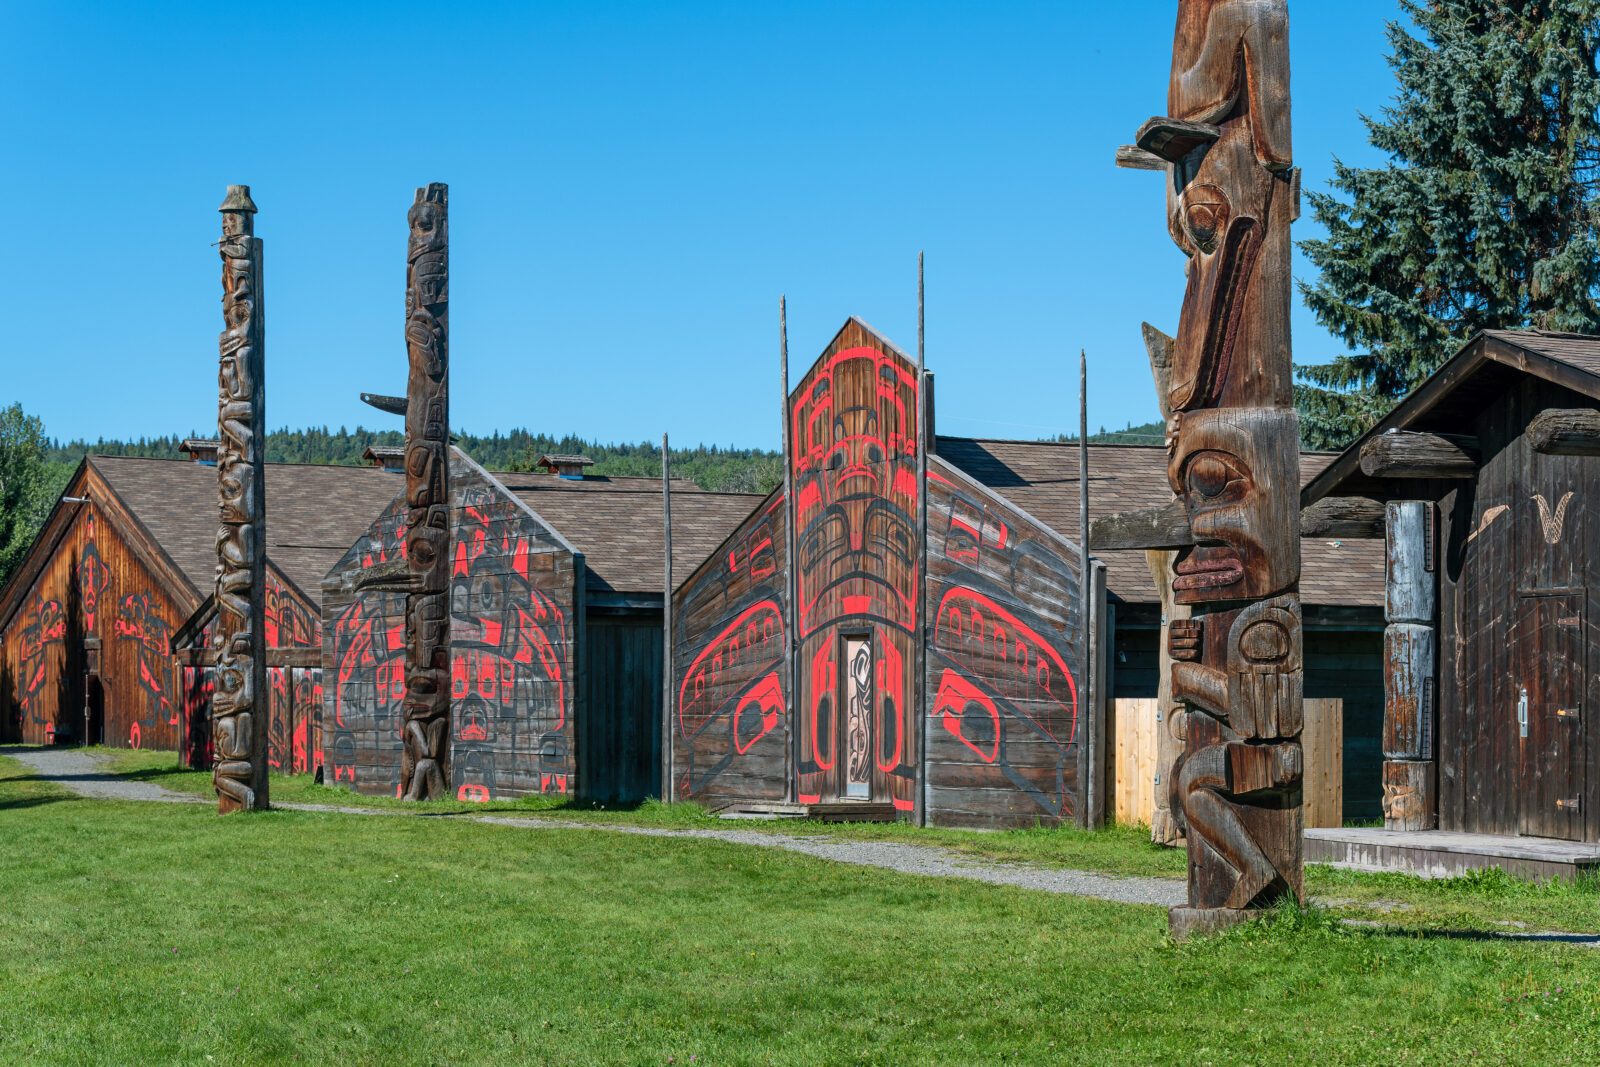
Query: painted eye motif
column 1214, row 474
column 1205, row 215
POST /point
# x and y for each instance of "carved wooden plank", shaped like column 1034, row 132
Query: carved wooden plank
column 1165, row 527
column 1408, row 688
column 1409, row 795
column 1566, row 432
column 1409, row 580
column 1347, row 517
column 425, row 761
column 239, row 711
column 1411, row 454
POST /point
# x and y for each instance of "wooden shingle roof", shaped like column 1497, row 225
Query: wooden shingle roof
column 314, row 513
column 616, row 524
column 1041, row 478
column 1485, row 368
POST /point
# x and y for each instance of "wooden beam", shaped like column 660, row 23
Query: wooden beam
column 1132, row 157
column 1566, row 432
column 1354, row 517
column 1409, row 454
column 1163, row 527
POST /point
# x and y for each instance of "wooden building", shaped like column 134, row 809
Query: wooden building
column 1491, row 474
column 985, row 597
column 124, row 567
column 900, row 638
column 556, row 633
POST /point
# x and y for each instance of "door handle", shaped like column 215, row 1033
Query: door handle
column 1522, row 713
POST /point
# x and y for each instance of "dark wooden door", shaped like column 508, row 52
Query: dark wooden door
column 619, row 734
column 1548, row 659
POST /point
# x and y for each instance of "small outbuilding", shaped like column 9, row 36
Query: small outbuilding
column 1490, row 474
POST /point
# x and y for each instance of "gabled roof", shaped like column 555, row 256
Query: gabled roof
column 1041, row 478
column 1484, row 368
column 617, row 524
column 313, row 513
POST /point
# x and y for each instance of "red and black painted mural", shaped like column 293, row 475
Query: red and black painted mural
column 1005, row 640
column 142, row 626
column 91, row 587
column 512, row 594
column 730, row 713
column 853, row 434
column 991, row 604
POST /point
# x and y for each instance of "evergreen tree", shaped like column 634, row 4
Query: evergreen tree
column 29, row 484
column 1487, row 215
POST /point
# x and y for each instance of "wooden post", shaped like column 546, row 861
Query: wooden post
column 791, row 643
column 1090, row 773
column 921, row 687
column 425, row 761
column 1410, row 649
column 667, row 792
column 1165, row 827
column 1234, row 458
column 239, row 708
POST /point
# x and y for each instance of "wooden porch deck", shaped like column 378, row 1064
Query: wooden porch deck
column 1443, row 854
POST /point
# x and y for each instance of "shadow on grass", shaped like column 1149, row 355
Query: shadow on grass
column 1549, row 936
column 18, row 803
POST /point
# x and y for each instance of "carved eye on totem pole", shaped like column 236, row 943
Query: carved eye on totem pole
column 1204, row 214
column 236, row 498
column 1234, row 469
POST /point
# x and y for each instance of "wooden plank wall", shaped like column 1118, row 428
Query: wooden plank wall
column 854, row 470
column 94, row 585
column 1006, row 708
column 513, row 645
column 1133, row 753
column 731, row 716
column 512, row 651
column 363, row 643
column 619, row 738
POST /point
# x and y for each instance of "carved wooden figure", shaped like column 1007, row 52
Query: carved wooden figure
column 425, row 764
column 1234, row 445
column 238, row 709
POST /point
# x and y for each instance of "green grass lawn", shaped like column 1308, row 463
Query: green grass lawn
column 161, row 933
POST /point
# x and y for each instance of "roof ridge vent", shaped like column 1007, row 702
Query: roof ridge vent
column 564, row 465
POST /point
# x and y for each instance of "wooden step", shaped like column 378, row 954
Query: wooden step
column 852, row 811
column 1444, row 854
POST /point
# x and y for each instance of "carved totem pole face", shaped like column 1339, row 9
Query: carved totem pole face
column 1236, row 471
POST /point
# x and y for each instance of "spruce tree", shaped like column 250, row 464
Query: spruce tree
column 1487, row 215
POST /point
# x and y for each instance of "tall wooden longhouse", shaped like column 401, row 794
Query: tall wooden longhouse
column 555, row 633
column 124, row 566
column 932, row 668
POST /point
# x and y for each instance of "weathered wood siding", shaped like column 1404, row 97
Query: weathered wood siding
column 1519, row 587
column 513, row 651
column 853, row 459
column 1006, row 638
column 731, row 725
column 94, row 585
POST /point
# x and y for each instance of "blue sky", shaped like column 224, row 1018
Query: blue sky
column 632, row 187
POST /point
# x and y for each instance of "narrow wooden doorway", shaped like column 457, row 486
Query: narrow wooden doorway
column 855, row 718
column 1550, row 679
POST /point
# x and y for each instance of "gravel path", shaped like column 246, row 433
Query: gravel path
column 81, row 773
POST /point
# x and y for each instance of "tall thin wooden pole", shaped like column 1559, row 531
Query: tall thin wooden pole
column 790, row 613
column 1088, row 715
column 239, row 706
column 666, row 622
column 921, row 685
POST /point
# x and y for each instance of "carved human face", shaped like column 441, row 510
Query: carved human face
column 428, row 225
column 1237, row 472
column 856, row 489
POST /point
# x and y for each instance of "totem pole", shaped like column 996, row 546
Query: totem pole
column 1233, row 457
column 238, row 708
column 425, row 761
